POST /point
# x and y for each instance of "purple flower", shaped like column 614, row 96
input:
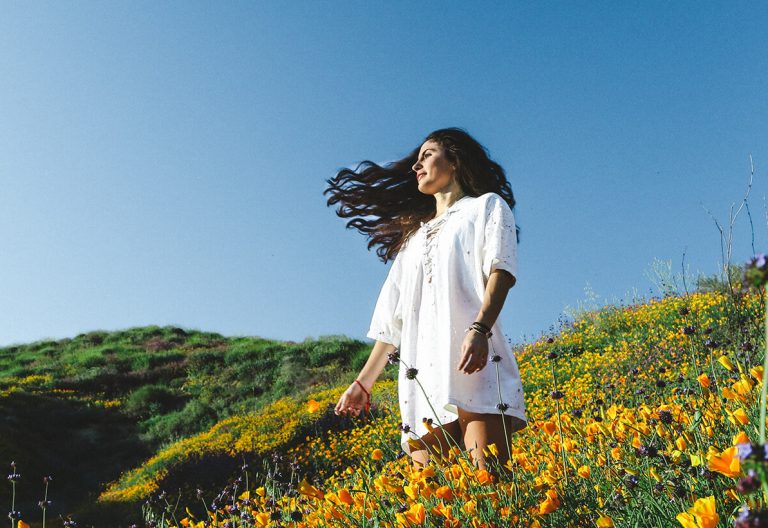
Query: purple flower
column 749, row 483
column 751, row 451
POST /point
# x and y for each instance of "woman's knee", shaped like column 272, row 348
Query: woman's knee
column 420, row 457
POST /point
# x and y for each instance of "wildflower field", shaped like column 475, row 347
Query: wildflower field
column 637, row 416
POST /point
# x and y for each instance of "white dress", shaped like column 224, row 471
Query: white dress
column 433, row 292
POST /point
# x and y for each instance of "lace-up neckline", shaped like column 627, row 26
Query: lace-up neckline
column 430, row 237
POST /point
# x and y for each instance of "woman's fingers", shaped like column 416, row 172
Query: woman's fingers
column 347, row 406
column 473, row 361
column 464, row 360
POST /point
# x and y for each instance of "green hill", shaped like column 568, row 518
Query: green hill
column 181, row 426
column 87, row 409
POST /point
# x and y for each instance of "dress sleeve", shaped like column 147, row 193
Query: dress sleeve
column 499, row 248
column 387, row 321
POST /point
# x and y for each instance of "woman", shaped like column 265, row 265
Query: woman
column 444, row 213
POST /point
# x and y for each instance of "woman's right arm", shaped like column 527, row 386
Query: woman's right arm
column 354, row 398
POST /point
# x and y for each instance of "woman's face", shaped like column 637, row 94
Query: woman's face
column 434, row 172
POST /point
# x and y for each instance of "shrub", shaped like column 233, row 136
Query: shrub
column 151, row 400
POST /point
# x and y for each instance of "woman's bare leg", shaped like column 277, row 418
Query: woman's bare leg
column 436, row 440
column 481, row 430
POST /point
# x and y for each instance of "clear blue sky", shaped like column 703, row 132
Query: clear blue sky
column 164, row 162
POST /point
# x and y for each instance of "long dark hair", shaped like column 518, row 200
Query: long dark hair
column 385, row 203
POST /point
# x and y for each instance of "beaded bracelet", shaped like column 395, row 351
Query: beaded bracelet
column 368, row 403
column 480, row 329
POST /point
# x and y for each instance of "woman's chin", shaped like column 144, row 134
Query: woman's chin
column 425, row 189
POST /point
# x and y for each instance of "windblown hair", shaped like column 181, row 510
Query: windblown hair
column 385, row 203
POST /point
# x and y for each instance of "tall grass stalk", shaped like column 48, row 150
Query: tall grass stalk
column 765, row 371
column 560, row 427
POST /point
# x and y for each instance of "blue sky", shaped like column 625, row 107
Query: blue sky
column 164, row 162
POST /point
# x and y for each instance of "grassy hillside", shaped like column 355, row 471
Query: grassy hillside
column 652, row 400
column 86, row 409
column 633, row 411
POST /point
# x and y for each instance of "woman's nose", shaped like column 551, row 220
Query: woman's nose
column 416, row 166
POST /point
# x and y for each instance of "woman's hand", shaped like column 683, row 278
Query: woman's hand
column 352, row 401
column 474, row 353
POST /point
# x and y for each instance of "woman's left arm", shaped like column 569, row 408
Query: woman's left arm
column 474, row 350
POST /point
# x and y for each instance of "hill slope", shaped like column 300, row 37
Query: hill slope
column 650, row 400
column 86, row 409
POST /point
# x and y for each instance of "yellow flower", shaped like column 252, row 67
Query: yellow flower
column 377, row 454
column 550, row 504
column 262, row 519
column 444, row 492
column 313, row 406
column 305, row 488
column 740, row 438
column 346, row 497
column 415, row 515
column 741, row 416
column 549, row 427
column 483, row 477
column 726, row 362
column 727, row 462
column 412, row 490
column 604, row 522
column 704, row 380
column 701, row 515
column 584, row 471
column 743, row 386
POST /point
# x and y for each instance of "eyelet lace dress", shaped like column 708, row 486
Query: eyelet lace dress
column 432, row 293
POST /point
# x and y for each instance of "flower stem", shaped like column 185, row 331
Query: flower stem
column 560, row 428
column 765, row 372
